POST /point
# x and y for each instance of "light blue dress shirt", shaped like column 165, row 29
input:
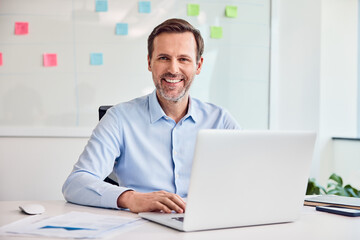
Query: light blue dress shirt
column 147, row 150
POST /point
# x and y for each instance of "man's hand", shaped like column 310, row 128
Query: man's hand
column 151, row 202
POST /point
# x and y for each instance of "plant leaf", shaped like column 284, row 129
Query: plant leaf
column 351, row 191
column 332, row 184
column 323, row 189
column 332, row 192
column 336, row 178
column 312, row 188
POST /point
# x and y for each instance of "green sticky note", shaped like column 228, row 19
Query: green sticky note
column 216, row 32
column 231, row 11
column 193, row 9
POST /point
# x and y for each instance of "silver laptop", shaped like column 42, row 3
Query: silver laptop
column 244, row 178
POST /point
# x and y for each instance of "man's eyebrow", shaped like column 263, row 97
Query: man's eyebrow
column 184, row 56
column 163, row 55
column 179, row 56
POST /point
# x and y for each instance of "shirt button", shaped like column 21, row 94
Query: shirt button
column 175, row 152
column 177, row 176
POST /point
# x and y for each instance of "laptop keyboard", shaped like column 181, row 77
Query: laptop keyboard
column 181, row 219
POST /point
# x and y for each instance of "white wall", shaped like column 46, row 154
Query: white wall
column 295, row 64
column 338, row 95
column 347, row 161
column 314, row 77
column 36, row 168
column 295, row 67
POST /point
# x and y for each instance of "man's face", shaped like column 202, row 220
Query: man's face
column 173, row 65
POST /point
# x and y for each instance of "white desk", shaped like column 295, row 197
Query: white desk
column 311, row 225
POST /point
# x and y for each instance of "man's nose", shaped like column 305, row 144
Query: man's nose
column 173, row 67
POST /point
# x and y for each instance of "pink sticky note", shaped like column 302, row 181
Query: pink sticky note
column 21, row 28
column 50, row 59
column 1, row 62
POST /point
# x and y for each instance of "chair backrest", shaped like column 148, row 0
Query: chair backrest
column 111, row 178
column 102, row 110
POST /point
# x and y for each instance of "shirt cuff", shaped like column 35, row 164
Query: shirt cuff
column 109, row 197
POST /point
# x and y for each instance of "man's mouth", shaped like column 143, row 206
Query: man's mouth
column 172, row 80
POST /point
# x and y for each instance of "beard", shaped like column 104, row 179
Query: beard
column 181, row 92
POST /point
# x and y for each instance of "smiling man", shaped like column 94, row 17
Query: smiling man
column 149, row 141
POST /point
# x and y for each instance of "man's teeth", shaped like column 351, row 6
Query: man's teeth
column 172, row 80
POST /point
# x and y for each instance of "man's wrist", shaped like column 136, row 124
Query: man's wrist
column 124, row 199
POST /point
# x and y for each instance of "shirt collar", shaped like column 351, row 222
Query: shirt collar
column 191, row 110
column 155, row 109
column 156, row 112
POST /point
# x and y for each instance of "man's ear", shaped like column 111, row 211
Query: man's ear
column 199, row 65
column 149, row 65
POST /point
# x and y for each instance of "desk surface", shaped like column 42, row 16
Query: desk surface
column 311, row 225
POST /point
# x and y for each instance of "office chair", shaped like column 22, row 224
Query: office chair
column 102, row 110
column 111, row 178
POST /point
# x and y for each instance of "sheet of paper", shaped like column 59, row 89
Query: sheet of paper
column 49, row 59
column 193, row 9
column 96, row 58
column 144, row 7
column 101, row 5
column 21, row 28
column 71, row 225
column 122, row 29
column 216, row 32
column 231, row 11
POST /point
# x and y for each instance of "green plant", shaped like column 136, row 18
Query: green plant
column 334, row 187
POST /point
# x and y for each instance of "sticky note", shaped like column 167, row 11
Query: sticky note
column 122, row 29
column 215, row 32
column 101, row 5
column 231, row 11
column 193, row 9
column 49, row 59
column 144, row 7
column 96, row 58
column 1, row 61
column 21, row 28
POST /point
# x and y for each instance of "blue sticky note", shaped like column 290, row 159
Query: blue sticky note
column 101, row 5
column 144, row 7
column 122, row 29
column 96, row 58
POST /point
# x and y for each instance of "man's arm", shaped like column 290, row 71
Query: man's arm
column 151, row 202
column 85, row 184
column 86, row 189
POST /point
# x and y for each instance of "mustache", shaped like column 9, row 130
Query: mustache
column 170, row 75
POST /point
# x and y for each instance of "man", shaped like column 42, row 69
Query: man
column 149, row 141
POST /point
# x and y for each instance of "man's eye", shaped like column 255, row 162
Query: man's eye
column 183, row 59
column 163, row 58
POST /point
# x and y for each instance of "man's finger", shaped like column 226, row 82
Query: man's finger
column 161, row 207
column 179, row 201
column 173, row 205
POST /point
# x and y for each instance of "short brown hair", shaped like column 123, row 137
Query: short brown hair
column 176, row 25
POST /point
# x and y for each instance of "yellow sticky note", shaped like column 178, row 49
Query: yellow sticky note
column 231, row 11
column 193, row 9
column 216, row 32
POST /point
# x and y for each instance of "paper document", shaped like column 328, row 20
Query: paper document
column 71, row 225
